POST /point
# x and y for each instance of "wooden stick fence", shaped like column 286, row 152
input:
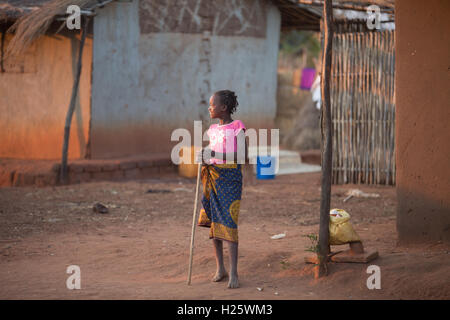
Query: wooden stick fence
column 363, row 110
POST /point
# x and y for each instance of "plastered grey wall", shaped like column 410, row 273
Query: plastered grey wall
column 146, row 81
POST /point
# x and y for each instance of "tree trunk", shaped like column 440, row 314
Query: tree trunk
column 63, row 173
column 324, row 248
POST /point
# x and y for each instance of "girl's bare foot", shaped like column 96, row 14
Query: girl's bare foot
column 233, row 282
column 220, row 275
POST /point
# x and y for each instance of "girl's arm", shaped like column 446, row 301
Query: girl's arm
column 234, row 155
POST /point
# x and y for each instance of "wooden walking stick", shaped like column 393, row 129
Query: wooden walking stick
column 194, row 224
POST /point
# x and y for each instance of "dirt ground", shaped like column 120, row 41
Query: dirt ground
column 140, row 249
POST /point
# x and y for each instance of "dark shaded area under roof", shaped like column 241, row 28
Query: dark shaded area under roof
column 297, row 16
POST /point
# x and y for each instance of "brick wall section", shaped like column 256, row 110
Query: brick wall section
column 46, row 172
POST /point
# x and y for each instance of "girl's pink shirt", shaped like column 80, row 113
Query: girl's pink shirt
column 222, row 138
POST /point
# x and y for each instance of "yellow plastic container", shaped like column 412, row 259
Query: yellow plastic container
column 188, row 170
column 341, row 230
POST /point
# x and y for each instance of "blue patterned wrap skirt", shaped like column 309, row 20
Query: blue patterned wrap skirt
column 221, row 200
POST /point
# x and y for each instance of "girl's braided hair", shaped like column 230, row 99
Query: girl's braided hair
column 227, row 98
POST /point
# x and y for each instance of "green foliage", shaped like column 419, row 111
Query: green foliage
column 284, row 264
column 314, row 243
column 316, row 249
column 295, row 42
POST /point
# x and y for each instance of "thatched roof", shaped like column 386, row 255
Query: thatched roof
column 307, row 10
column 35, row 17
column 11, row 10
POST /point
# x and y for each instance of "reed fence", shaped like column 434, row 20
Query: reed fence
column 363, row 109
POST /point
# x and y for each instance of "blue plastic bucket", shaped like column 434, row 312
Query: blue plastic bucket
column 265, row 167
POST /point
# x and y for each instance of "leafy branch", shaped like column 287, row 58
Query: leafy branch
column 314, row 243
column 314, row 248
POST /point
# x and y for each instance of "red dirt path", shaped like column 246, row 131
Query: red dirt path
column 140, row 249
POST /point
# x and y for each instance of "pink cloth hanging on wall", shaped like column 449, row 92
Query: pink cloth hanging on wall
column 308, row 75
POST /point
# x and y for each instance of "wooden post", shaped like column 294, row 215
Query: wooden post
column 326, row 145
column 63, row 173
column 2, row 54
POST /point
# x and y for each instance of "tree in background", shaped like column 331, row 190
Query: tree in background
column 294, row 44
column 297, row 117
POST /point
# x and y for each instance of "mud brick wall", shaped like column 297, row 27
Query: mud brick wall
column 422, row 120
column 33, row 173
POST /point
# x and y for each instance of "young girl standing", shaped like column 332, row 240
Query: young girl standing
column 221, row 176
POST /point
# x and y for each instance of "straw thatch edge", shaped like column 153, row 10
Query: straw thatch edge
column 36, row 23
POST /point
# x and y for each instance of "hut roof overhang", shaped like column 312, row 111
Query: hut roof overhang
column 295, row 14
column 12, row 10
column 306, row 14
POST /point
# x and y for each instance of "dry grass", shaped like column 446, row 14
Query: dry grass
column 31, row 26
